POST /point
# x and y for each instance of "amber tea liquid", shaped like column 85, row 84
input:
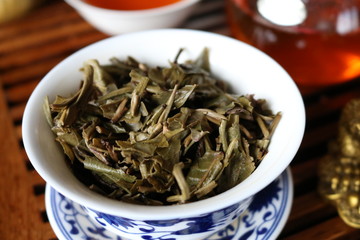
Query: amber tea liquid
column 315, row 52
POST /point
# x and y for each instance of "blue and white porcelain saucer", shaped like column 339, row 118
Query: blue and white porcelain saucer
column 264, row 219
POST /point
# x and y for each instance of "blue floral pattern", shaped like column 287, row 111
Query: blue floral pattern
column 262, row 220
column 172, row 229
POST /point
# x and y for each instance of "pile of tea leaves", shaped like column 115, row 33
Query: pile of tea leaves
column 159, row 135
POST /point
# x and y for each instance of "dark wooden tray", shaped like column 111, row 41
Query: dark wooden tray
column 32, row 45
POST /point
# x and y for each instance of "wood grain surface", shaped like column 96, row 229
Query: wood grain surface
column 32, row 45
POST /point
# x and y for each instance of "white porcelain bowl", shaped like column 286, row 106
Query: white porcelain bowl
column 114, row 22
column 246, row 69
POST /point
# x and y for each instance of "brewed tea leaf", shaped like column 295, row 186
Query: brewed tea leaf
column 159, row 135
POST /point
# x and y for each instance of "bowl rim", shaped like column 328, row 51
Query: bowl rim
column 82, row 5
column 115, row 207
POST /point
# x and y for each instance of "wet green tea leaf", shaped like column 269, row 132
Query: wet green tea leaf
column 159, row 135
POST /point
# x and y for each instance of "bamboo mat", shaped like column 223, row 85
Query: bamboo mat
column 32, row 45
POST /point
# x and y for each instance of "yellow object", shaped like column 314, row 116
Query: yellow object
column 12, row 9
column 340, row 169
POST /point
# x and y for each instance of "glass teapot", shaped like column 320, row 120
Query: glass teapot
column 316, row 41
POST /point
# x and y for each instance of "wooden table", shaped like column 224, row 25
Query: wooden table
column 31, row 46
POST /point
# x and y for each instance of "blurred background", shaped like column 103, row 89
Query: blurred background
column 35, row 35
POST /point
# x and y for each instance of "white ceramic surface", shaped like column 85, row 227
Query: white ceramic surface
column 114, row 22
column 247, row 70
column 264, row 220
